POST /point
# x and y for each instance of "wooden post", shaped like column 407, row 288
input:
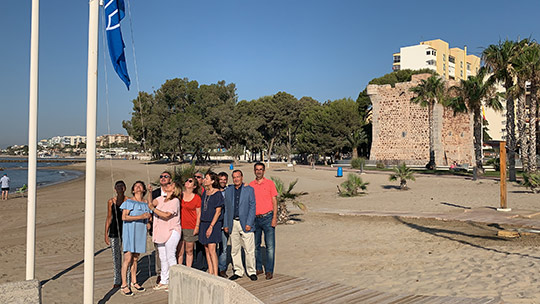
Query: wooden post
column 502, row 157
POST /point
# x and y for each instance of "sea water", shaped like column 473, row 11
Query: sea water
column 17, row 171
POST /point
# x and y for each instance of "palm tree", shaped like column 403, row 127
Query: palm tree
column 403, row 173
column 526, row 68
column 427, row 94
column 284, row 196
column 469, row 96
column 353, row 186
column 498, row 59
column 355, row 139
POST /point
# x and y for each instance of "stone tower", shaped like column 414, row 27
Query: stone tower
column 401, row 128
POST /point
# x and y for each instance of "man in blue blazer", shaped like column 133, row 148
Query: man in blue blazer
column 239, row 221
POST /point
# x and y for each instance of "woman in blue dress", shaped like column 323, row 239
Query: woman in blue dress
column 211, row 223
column 135, row 214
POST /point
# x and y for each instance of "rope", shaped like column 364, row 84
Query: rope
column 107, row 96
column 130, row 18
column 108, row 108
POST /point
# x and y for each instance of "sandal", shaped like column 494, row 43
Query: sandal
column 161, row 286
column 127, row 294
column 139, row 289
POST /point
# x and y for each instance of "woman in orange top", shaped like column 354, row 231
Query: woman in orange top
column 190, row 218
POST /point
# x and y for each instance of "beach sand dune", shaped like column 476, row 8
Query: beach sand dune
column 422, row 256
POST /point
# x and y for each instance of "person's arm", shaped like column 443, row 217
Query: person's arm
column 274, row 210
column 214, row 220
column 129, row 218
column 227, row 211
column 251, row 210
column 165, row 215
column 108, row 221
column 198, row 221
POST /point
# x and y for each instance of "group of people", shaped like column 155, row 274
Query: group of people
column 203, row 212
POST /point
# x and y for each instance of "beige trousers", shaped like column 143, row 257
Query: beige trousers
column 240, row 239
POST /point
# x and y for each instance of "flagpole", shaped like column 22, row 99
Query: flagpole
column 32, row 144
column 90, row 189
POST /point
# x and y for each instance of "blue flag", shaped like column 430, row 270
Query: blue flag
column 114, row 12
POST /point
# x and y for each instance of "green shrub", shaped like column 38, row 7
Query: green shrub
column 495, row 162
column 403, row 173
column 380, row 165
column 358, row 162
column 353, row 186
column 532, row 181
column 182, row 173
column 284, row 196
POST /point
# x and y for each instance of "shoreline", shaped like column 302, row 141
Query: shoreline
column 77, row 172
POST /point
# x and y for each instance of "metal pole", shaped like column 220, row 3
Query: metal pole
column 32, row 144
column 90, row 189
column 502, row 158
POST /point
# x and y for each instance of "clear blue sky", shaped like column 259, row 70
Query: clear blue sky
column 323, row 49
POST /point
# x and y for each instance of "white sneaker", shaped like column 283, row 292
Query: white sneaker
column 161, row 286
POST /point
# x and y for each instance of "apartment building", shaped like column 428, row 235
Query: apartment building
column 105, row 140
column 451, row 63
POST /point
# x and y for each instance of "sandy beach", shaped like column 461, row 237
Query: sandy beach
column 421, row 256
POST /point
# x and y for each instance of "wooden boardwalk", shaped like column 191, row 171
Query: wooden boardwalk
column 288, row 289
column 281, row 289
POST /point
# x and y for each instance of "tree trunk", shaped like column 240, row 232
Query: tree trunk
column 403, row 184
column 270, row 151
column 283, row 213
column 289, row 147
column 477, row 117
column 431, row 164
column 510, row 134
column 532, row 128
column 355, row 152
column 522, row 132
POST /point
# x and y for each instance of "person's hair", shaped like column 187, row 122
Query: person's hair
column 237, row 170
column 198, row 172
column 177, row 193
column 120, row 182
column 223, row 173
column 259, row 164
column 196, row 186
column 138, row 182
column 215, row 179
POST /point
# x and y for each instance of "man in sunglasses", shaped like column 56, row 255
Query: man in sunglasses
column 164, row 180
column 199, row 176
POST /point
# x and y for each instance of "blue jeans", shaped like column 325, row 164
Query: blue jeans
column 264, row 224
column 222, row 252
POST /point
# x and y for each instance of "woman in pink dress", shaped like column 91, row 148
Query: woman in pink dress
column 167, row 230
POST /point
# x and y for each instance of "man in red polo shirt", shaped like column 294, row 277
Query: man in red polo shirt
column 265, row 219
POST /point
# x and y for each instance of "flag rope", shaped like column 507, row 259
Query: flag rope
column 137, row 83
column 108, row 111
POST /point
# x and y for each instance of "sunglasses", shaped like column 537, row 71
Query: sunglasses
column 198, row 177
column 164, row 176
column 189, row 181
